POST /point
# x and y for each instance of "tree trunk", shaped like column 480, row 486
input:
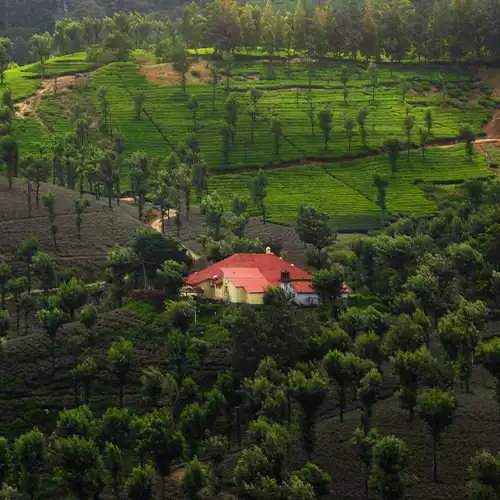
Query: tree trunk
column 121, row 394
column 434, row 457
column 163, row 221
column 52, row 353
column 26, row 313
column 367, row 475
column 238, row 425
column 162, row 487
column 18, row 319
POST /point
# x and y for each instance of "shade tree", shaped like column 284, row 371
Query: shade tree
column 437, row 408
column 310, row 393
column 388, row 479
column 120, row 356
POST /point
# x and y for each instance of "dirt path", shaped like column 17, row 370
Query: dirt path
column 28, row 106
column 166, row 75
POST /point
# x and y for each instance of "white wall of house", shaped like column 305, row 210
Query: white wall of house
column 306, row 299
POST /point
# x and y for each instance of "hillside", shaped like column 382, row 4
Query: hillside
column 100, row 230
column 304, row 169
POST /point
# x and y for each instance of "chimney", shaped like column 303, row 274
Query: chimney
column 285, row 277
column 268, row 251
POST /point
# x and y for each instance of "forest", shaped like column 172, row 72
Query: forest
column 140, row 143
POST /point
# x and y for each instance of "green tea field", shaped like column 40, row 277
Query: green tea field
column 293, row 93
column 345, row 190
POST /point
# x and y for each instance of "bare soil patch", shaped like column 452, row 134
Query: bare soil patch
column 166, row 75
column 28, row 106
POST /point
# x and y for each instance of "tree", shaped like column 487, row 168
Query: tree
column 120, row 356
column 369, row 346
column 45, row 271
column 367, row 393
column 139, row 484
column 226, row 133
column 9, row 154
column 325, row 124
column 40, row 46
column 5, row 461
column 30, row 454
column 17, row 287
column 349, row 128
column 361, row 119
column 139, row 98
column 158, row 388
column 72, row 296
column 372, row 73
column 413, row 370
column 404, row 87
column 5, row 274
column 309, row 392
column 381, row 182
column 37, row 171
column 51, row 320
column 214, row 78
column 85, row 373
column 428, row 120
column 88, row 316
column 258, row 192
column 403, row 335
column 25, row 252
column 276, row 130
column 180, row 63
column 467, row 134
column 193, row 106
column 118, row 264
column 423, row 138
column 171, row 274
column 27, row 303
column 194, row 479
column 328, row 284
column 78, row 466
column 113, row 460
column 485, row 476
column 390, row 457
column 231, row 115
column 5, row 323
column 6, row 49
column 80, row 204
column 436, row 408
column 392, row 148
column 346, row 370
column 162, row 442
column 314, row 227
column 344, row 79
column 408, row 124
column 488, row 354
column 49, row 202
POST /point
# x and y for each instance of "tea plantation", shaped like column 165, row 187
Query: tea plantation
column 292, row 92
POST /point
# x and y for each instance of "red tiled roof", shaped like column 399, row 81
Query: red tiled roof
column 302, row 287
column 269, row 266
column 255, row 272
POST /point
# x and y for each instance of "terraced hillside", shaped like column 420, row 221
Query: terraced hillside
column 293, row 92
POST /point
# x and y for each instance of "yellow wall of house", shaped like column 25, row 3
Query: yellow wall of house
column 208, row 289
column 255, row 299
column 236, row 295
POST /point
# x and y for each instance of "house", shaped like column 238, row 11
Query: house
column 243, row 278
